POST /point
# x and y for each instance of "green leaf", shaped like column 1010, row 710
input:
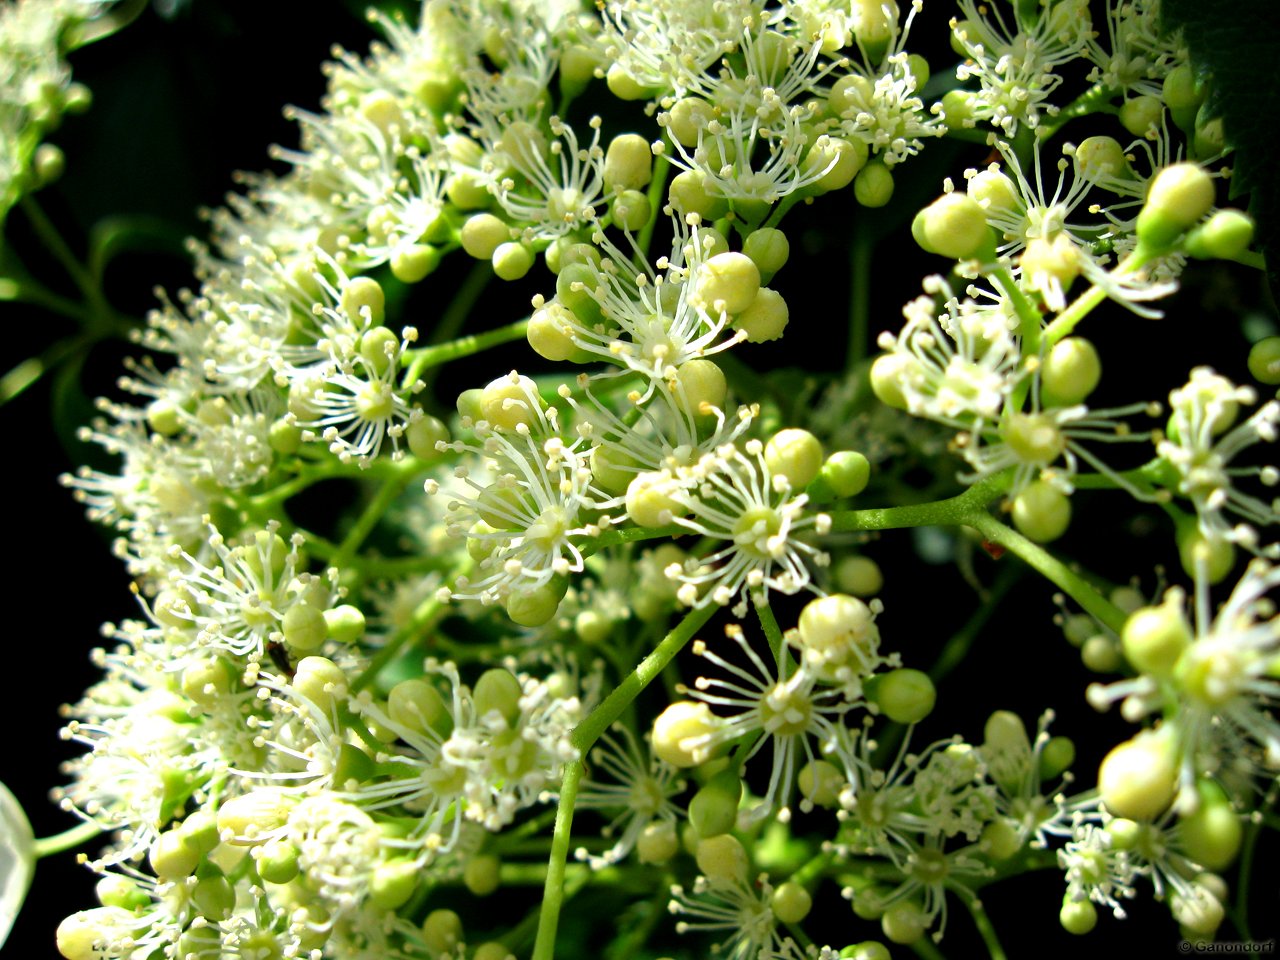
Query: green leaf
column 1237, row 48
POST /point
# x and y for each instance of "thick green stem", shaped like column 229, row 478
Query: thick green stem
column 423, row 358
column 1049, row 566
column 544, row 946
column 985, row 927
column 66, row 840
column 950, row 512
column 657, row 189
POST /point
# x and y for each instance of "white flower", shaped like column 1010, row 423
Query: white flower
column 1095, row 869
column 731, row 496
column 738, row 911
column 783, row 706
column 1203, row 441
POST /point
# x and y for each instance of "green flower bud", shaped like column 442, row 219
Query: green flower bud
column 904, row 922
column 511, row 260
column 482, row 234
column 442, row 931
column 994, row 192
column 1057, row 757
column 722, row 858
column 838, row 627
column 842, row 159
column 1070, row 372
column 1182, row 95
column 1212, row 833
column 688, row 194
column 1042, row 512
column 1141, row 115
column 866, row 950
column 958, row 108
column 277, row 861
column 726, row 281
column 284, row 438
column 1178, row 198
column 766, row 317
column 213, row 895
column 873, row 186
column 492, row 950
column 623, row 86
column 628, row 163
column 241, row 819
column 631, row 210
column 304, row 628
column 875, row 24
column 859, row 576
column 499, row 691
column 699, row 385
column 1215, row 559
column 905, row 695
column 714, row 808
column 171, row 857
column 1077, row 916
column 1155, row 637
column 206, row 681
column 1210, row 137
column 534, row 606
column 363, row 299
column 686, row 118
column 658, row 842
column 887, row 373
column 648, row 499
column 482, row 874
column 414, row 262
column 679, row 723
column 393, row 882
column 844, row 474
column 1224, row 236
column 768, row 249
column 321, row 681
column 791, row 902
column 1101, row 654
column 820, row 783
column 417, row 704
column 1264, row 361
column 1000, row 839
column 510, row 401
column 1138, row 779
column 422, row 436
column 345, row 623
column 955, row 226
column 795, row 454
column 81, row 935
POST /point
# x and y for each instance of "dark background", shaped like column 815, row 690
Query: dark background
column 184, row 99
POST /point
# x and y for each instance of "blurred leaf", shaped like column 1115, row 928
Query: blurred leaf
column 17, row 859
column 1237, row 46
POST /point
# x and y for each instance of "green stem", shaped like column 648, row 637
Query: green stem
column 1094, row 100
column 924, row 947
column 584, row 737
column 66, row 840
column 422, row 359
column 57, row 246
column 1084, row 304
column 359, row 532
column 985, row 927
column 1053, row 569
column 553, row 892
column 1029, row 318
column 950, row 512
column 603, row 716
